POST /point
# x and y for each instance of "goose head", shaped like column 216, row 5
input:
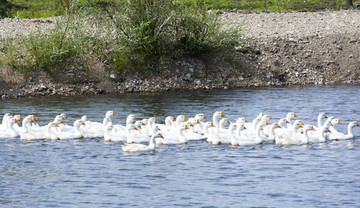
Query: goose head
column 63, row 116
column 307, row 128
column 223, row 122
column 33, row 118
column 266, row 117
column 322, row 115
column 169, row 120
column 58, row 120
column 200, row 116
column 291, row 115
column 335, row 121
column 241, row 120
column 18, row 117
column 78, row 123
column 283, row 121
column 353, row 124
column 152, row 120
column 130, row 119
column 84, row 118
column 110, row 113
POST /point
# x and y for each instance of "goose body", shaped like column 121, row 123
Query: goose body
column 141, row 147
column 342, row 136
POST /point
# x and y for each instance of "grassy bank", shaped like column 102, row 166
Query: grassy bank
column 41, row 8
column 125, row 36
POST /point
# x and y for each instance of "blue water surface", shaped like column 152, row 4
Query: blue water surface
column 90, row 173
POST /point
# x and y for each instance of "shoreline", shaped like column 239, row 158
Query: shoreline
column 293, row 48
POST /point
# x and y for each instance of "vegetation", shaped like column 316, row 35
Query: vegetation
column 137, row 34
column 49, row 8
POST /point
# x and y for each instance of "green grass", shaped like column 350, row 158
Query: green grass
column 49, row 8
column 139, row 36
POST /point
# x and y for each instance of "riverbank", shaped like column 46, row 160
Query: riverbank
column 294, row 48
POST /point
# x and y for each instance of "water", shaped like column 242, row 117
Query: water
column 89, row 173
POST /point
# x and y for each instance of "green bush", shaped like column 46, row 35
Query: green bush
column 150, row 31
column 130, row 35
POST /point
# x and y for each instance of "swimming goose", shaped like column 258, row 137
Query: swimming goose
column 217, row 115
column 342, row 136
column 175, row 139
column 31, row 134
column 333, row 123
column 290, row 116
column 121, row 136
column 289, row 137
column 140, row 138
column 74, row 133
column 191, row 135
column 250, row 140
column 9, row 132
column 5, row 119
column 141, row 147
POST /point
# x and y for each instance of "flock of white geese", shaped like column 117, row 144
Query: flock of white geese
column 146, row 134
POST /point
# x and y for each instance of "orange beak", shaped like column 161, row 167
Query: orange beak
column 270, row 118
column 312, row 128
column 185, row 119
column 186, row 127
column 174, row 120
column 295, row 115
column 229, row 122
column 246, row 121
column 114, row 114
column 205, row 117
column 357, row 125
column 244, row 128
column 340, row 122
column 16, row 121
column 21, row 118
column 222, row 114
column 156, row 120
column 325, row 116
column 267, row 123
column 198, row 121
column 135, row 128
column 287, row 121
column 191, row 125
column 212, row 124
column 82, row 123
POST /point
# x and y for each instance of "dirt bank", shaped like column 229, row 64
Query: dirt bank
column 285, row 49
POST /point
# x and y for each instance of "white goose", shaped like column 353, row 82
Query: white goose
column 333, row 123
column 210, row 135
column 271, row 132
column 243, row 140
column 320, row 135
column 191, row 135
column 178, row 139
column 217, row 115
column 31, row 134
column 320, row 117
column 198, row 124
column 130, row 119
column 290, row 116
column 9, row 132
column 5, row 119
column 140, row 138
column 74, row 133
column 289, row 137
column 342, row 136
column 141, row 147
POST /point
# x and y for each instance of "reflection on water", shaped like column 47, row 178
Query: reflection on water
column 84, row 173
